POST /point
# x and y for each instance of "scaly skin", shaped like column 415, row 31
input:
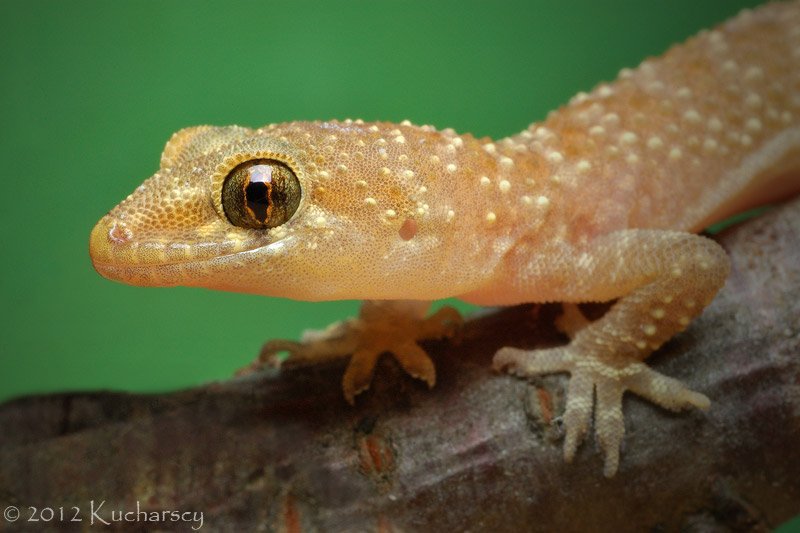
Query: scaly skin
column 596, row 203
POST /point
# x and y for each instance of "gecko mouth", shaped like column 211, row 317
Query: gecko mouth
column 116, row 254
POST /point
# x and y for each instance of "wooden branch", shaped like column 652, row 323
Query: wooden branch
column 479, row 452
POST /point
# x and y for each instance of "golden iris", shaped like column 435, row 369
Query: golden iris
column 261, row 193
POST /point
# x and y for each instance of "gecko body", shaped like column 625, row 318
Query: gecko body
column 599, row 202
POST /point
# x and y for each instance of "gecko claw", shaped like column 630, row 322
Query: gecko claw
column 358, row 375
column 416, row 362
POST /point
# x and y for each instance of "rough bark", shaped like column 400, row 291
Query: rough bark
column 282, row 451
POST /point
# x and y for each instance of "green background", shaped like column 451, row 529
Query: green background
column 91, row 91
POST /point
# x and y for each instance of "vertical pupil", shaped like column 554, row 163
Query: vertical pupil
column 258, row 199
column 257, row 191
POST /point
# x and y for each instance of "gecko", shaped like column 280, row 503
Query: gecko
column 600, row 202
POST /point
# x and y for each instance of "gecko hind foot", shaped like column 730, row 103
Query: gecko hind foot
column 597, row 385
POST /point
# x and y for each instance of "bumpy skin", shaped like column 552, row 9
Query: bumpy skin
column 594, row 204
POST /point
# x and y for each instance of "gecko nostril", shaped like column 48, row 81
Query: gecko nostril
column 119, row 233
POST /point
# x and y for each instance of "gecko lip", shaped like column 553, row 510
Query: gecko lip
column 116, row 254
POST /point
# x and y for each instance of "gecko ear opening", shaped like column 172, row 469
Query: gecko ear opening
column 260, row 194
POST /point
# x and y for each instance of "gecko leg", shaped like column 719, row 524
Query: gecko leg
column 392, row 326
column 571, row 320
column 663, row 279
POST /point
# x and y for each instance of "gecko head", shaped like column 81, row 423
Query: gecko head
column 306, row 210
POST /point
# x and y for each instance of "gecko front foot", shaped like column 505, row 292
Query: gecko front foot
column 382, row 326
column 600, row 378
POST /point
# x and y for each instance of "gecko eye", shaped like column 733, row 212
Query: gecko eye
column 262, row 193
